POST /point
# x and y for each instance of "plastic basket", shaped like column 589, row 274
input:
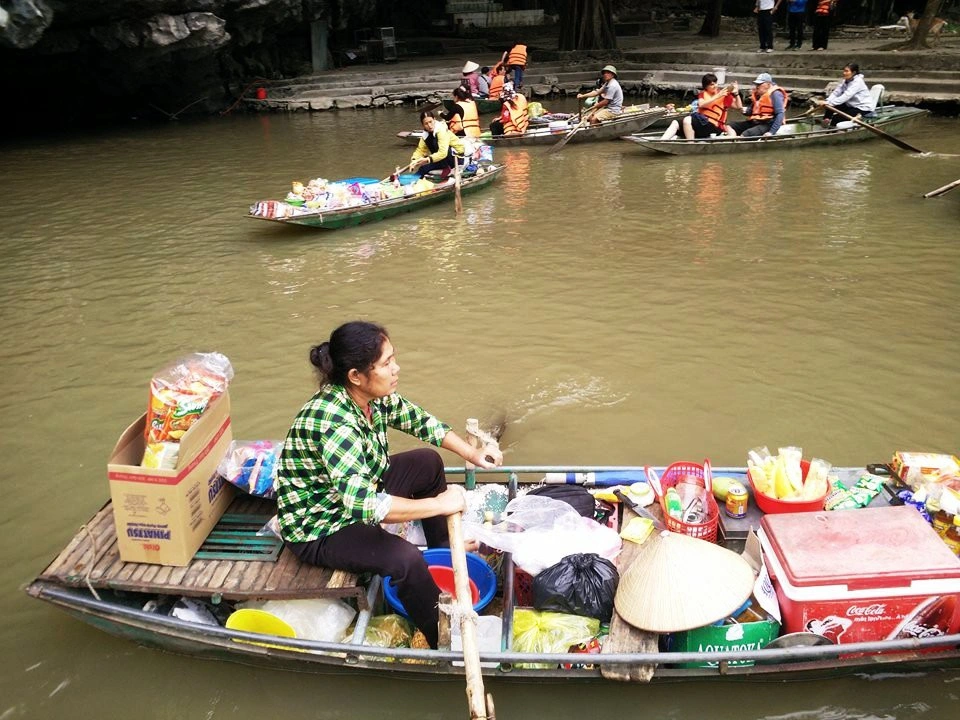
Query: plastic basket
column 671, row 476
column 774, row 505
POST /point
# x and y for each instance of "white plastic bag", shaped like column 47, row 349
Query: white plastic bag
column 312, row 618
column 540, row 531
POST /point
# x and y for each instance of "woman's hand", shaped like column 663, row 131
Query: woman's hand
column 452, row 500
column 486, row 457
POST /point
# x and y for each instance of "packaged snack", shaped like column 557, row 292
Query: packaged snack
column 181, row 391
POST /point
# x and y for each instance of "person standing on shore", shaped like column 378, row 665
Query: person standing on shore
column 822, row 19
column 765, row 10
column 517, row 63
column 796, row 10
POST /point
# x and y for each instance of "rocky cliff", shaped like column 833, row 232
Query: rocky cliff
column 86, row 59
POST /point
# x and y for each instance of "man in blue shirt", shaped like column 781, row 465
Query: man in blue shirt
column 796, row 9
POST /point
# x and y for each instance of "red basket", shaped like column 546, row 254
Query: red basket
column 671, row 476
column 771, row 504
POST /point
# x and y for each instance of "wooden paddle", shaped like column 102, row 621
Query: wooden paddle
column 941, row 190
column 457, row 201
column 398, row 172
column 876, row 131
column 580, row 125
column 476, row 701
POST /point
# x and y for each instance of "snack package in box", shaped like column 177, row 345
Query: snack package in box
column 914, row 468
column 179, row 393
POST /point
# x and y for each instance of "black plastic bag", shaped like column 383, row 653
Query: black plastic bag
column 581, row 584
column 576, row 496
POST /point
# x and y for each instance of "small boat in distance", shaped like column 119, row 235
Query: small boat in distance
column 630, row 121
column 278, row 211
column 797, row 132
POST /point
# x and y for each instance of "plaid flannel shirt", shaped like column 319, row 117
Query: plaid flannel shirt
column 334, row 458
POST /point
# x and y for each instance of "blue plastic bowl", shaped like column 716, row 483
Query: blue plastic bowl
column 408, row 178
column 482, row 575
column 361, row 180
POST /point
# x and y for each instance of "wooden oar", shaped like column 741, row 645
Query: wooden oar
column 398, row 172
column 877, row 131
column 457, row 201
column 580, row 125
column 941, row 190
column 476, row 701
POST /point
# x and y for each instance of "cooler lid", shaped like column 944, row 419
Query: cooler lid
column 864, row 548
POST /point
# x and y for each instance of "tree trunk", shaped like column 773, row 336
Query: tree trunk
column 918, row 40
column 711, row 22
column 587, row 25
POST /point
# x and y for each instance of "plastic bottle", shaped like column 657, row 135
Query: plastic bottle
column 604, row 478
column 674, row 505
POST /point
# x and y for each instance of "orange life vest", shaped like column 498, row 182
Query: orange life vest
column 519, row 119
column 496, row 86
column 824, row 7
column 716, row 112
column 468, row 120
column 763, row 105
column 518, row 56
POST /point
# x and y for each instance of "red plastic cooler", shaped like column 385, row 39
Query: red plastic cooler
column 861, row 575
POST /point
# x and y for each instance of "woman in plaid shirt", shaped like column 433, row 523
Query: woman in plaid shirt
column 337, row 481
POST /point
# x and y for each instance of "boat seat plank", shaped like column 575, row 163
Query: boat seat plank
column 93, row 557
column 624, row 638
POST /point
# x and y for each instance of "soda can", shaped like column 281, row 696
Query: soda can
column 736, row 500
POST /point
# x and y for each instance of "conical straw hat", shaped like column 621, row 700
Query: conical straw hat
column 470, row 66
column 678, row 583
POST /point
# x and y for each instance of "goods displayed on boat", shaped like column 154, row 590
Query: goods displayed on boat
column 646, row 573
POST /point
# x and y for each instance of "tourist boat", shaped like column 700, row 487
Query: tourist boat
column 630, row 121
column 373, row 211
column 131, row 600
column 797, row 132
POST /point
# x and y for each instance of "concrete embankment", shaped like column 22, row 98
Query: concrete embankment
column 671, row 65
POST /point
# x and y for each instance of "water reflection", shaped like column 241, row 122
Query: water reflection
column 516, row 181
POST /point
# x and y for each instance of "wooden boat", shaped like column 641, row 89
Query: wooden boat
column 374, row 211
column 798, row 132
column 88, row 581
column 628, row 122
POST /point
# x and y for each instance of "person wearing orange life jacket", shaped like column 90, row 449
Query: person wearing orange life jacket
column 710, row 117
column 463, row 119
column 822, row 19
column 517, row 63
column 497, row 78
column 767, row 108
column 514, row 117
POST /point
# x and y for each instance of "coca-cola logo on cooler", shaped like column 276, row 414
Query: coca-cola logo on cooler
column 861, row 611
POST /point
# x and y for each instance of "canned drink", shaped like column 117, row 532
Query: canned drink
column 736, row 500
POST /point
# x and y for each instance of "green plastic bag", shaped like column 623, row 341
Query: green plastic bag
column 549, row 632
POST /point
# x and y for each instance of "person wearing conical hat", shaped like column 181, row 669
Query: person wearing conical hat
column 610, row 104
column 471, row 77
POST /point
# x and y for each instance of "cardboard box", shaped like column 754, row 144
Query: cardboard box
column 915, row 467
column 862, row 575
column 725, row 638
column 163, row 516
column 738, row 636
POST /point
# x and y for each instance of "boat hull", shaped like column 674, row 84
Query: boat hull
column 611, row 130
column 352, row 216
column 218, row 643
column 808, row 133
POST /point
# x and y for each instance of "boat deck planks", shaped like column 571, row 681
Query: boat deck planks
column 624, row 638
column 92, row 558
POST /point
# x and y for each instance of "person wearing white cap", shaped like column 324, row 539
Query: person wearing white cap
column 768, row 103
column 471, row 77
column 610, row 104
